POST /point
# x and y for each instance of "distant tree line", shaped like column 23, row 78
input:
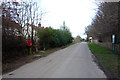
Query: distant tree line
column 105, row 23
column 50, row 38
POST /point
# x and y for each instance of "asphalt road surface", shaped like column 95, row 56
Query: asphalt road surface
column 74, row 61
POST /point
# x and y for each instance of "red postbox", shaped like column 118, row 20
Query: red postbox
column 29, row 42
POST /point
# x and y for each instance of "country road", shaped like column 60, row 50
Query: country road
column 74, row 61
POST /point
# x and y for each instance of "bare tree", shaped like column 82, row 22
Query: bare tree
column 105, row 22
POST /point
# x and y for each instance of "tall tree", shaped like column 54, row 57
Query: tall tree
column 105, row 22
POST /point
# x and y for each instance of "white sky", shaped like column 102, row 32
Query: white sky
column 77, row 14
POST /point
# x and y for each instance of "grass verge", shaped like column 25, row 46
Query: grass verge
column 55, row 49
column 12, row 64
column 106, row 58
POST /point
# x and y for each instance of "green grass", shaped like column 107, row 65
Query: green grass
column 70, row 44
column 31, row 56
column 55, row 49
column 105, row 56
column 49, row 51
column 98, row 49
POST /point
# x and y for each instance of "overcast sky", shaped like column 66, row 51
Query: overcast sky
column 77, row 14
